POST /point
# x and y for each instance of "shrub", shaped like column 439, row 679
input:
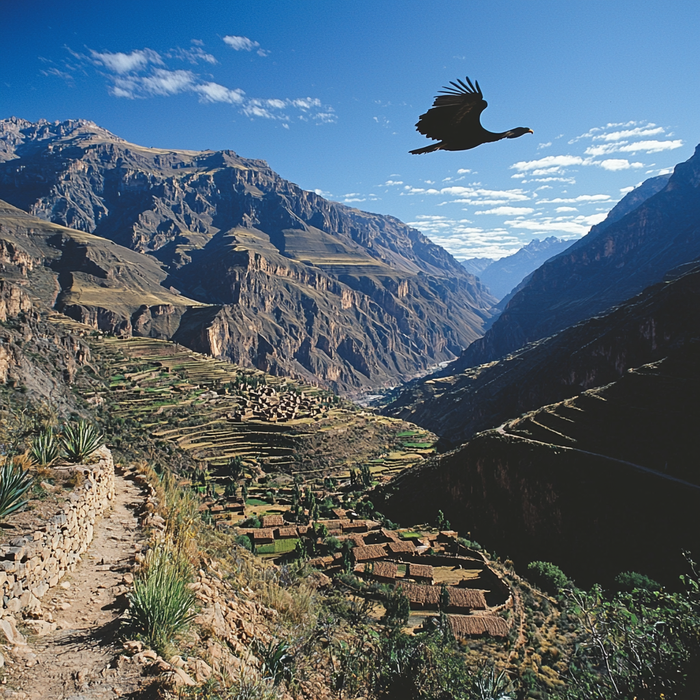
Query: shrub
column 244, row 541
column 161, row 604
column 547, row 576
column 80, row 440
column 628, row 581
column 14, row 484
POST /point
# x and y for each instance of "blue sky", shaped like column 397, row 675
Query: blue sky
column 328, row 93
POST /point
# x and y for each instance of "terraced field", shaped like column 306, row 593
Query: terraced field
column 217, row 411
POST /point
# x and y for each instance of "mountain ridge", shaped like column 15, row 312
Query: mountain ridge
column 306, row 287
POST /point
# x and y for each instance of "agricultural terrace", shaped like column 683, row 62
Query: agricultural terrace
column 270, row 428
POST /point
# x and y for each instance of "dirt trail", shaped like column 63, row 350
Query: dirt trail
column 74, row 661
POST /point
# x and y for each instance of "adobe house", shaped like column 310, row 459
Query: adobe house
column 465, row 626
column 368, row 552
column 381, row 571
column 263, row 536
column 285, row 533
column 421, row 573
column 401, row 549
column 268, row 521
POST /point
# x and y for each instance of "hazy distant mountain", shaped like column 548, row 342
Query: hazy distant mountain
column 501, row 276
column 285, row 280
column 476, row 266
column 653, row 229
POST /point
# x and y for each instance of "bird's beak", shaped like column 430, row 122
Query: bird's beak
column 530, row 131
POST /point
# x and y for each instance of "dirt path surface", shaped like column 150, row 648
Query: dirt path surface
column 78, row 660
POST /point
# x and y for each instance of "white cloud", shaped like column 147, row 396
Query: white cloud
column 306, row 103
column 213, row 92
column 649, row 130
column 650, row 146
column 544, row 145
column 507, row 211
column 168, row 82
column 392, row 183
column 547, row 164
column 618, row 164
column 561, row 210
column 243, row 43
column 579, row 198
column 463, row 171
column 122, row 63
column 194, row 55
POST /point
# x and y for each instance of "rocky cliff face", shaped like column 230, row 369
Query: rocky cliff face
column 304, row 286
column 39, row 358
column 616, row 260
column 592, row 353
column 601, row 478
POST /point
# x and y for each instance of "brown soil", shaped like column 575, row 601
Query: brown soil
column 79, row 660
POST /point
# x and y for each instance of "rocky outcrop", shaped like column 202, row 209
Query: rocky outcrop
column 615, row 261
column 32, row 564
column 36, row 356
column 284, row 267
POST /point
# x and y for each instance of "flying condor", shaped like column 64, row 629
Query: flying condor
column 453, row 120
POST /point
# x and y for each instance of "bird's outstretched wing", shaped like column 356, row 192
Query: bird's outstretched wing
column 455, row 111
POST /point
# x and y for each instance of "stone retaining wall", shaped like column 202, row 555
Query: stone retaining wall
column 32, row 564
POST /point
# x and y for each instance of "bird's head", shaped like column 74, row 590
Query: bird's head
column 518, row 131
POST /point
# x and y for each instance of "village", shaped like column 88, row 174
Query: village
column 426, row 566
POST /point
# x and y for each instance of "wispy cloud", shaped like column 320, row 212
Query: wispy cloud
column 213, row 92
column 243, row 43
column 507, row 211
column 145, row 73
column 122, row 63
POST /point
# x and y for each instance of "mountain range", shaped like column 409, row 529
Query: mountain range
column 503, row 275
column 244, row 265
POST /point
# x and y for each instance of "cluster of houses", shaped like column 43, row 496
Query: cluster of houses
column 382, row 555
column 265, row 403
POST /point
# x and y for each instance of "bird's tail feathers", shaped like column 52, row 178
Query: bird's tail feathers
column 426, row 149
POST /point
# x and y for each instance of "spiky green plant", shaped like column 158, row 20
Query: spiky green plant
column 277, row 661
column 14, row 483
column 44, row 448
column 161, row 604
column 80, row 440
column 490, row 685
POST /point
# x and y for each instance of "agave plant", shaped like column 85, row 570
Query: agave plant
column 14, row 483
column 80, row 440
column 489, row 685
column 161, row 604
column 277, row 661
column 44, row 448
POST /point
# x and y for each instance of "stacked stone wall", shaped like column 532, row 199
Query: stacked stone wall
column 32, row 564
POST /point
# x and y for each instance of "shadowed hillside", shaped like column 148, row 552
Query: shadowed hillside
column 589, row 354
column 604, row 482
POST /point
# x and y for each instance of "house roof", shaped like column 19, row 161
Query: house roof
column 369, row 552
column 473, row 625
column 399, row 547
column 272, row 521
column 384, row 569
column 420, row 571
